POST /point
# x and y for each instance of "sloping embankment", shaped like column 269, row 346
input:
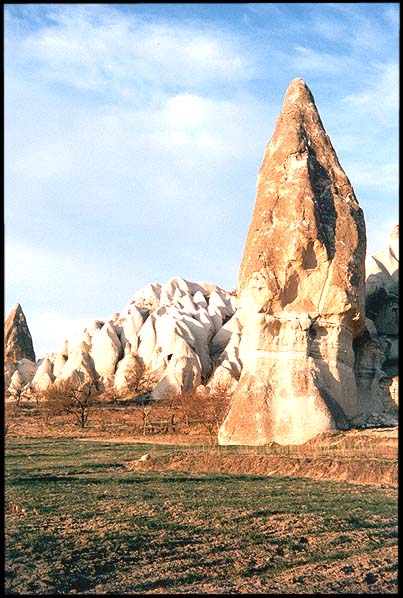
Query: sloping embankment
column 372, row 471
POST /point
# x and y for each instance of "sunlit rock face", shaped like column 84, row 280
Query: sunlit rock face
column 167, row 329
column 376, row 351
column 300, row 288
column 174, row 342
column 44, row 376
column 105, row 350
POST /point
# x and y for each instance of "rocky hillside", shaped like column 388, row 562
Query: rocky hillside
column 179, row 330
column 376, row 351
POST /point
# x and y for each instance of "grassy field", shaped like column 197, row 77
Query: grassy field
column 80, row 519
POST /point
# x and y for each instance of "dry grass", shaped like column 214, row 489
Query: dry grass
column 373, row 471
column 81, row 518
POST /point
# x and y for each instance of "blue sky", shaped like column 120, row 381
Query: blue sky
column 134, row 134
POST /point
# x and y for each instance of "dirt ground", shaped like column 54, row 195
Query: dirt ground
column 294, row 557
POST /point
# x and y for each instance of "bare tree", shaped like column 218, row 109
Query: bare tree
column 111, row 395
column 171, row 401
column 139, row 381
column 19, row 393
column 73, row 397
column 31, row 392
column 216, row 407
column 208, row 408
column 145, row 408
column 188, row 405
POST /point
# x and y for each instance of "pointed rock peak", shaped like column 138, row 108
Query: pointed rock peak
column 395, row 232
column 17, row 309
column 17, row 337
column 299, row 129
column 302, row 272
column 15, row 314
column 298, row 92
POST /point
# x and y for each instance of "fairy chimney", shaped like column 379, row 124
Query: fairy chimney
column 17, row 337
column 301, row 288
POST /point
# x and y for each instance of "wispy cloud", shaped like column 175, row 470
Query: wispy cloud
column 107, row 51
column 385, row 177
column 310, row 60
column 380, row 100
column 357, row 29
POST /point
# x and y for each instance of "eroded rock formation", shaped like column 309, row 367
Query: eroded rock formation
column 376, row 351
column 167, row 328
column 382, row 298
column 300, row 290
column 17, row 337
column 19, row 355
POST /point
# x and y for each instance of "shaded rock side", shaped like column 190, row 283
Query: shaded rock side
column 382, row 299
column 300, row 289
column 377, row 350
column 17, row 337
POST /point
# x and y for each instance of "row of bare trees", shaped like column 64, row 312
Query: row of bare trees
column 21, row 393
column 185, row 409
column 201, row 406
column 206, row 408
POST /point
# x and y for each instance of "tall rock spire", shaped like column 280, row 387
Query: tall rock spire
column 17, row 337
column 301, row 288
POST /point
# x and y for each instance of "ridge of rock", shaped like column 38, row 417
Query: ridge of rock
column 167, row 328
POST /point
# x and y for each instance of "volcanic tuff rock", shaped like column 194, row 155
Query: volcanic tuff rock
column 382, row 297
column 17, row 337
column 376, row 352
column 174, row 358
column 300, row 290
column 167, row 328
column 44, row 376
